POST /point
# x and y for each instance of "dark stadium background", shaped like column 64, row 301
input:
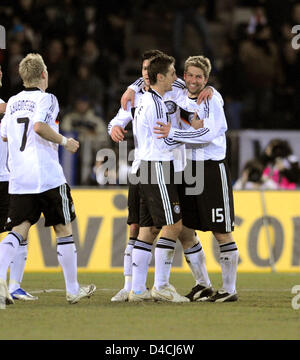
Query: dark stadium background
column 92, row 50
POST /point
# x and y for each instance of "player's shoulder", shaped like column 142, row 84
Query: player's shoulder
column 215, row 101
column 179, row 84
column 48, row 96
column 49, row 99
column 13, row 98
column 146, row 98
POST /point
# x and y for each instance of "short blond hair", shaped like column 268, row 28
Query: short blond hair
column 201, row 62
column 31, row 68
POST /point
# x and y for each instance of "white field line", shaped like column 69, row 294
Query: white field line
column 41, row 291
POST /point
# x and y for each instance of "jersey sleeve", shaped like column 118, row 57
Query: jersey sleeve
column 137, row 85
column 122, row 119
column 214, row 125
column 3, row 126
column 47, row 109
column 218, row 95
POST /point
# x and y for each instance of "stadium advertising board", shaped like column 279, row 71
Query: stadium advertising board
column 100, row 232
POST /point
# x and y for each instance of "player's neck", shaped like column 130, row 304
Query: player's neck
column 192, row 96
column 40, row 85
column 159, row 89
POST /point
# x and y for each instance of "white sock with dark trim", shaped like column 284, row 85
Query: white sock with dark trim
column 195, row 258
column 164, row 255
column 128, row 264
column 8, row 250
column 229, row 257
column 67, row 258
column 141, row 257
column 17, row 266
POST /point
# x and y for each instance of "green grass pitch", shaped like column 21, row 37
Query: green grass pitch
column 264, row 311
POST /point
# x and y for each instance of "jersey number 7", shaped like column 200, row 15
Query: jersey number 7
column 24, row 121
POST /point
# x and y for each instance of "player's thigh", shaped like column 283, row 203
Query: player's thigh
column 22, row 207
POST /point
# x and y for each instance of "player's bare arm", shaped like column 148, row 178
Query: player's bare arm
column 127, row 97
column 47, row 133
column 117, row 133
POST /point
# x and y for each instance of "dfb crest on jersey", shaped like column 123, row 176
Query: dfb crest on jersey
column 171, row 106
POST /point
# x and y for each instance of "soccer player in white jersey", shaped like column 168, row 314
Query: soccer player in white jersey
column 37, row 183
column 116, row 129
column 17, row 266
column 194, row 253
column 159, row 204
column 213, row 209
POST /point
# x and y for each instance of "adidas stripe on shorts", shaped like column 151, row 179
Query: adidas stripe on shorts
column 159, row 204
column 56, row 205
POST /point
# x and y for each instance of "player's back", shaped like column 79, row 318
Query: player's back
column 33, row 161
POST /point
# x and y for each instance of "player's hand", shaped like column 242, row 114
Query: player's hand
column 162, row 130
column 2, row 108
column 196, row 122
column 127, row 97
column 72, row 145
column 117, row 133
column 205, row 94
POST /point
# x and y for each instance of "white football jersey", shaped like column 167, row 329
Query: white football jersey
column 33, row 161
column 205, row 144
column 123, row 117
column 4, row 173
column 209, row 142
column 152, row 108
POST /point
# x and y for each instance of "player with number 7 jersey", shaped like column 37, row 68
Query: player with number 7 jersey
column 37, row 184
column 33, row 161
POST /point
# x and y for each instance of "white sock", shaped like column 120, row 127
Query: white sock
column 195, row 258
column 8, row 250
column 229, row 257
column 164, row 255
column 128, row 264
column 67, row 258
column 141, row 254
column 17, row 266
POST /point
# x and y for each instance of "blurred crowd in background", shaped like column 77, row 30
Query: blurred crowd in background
column 93, row 52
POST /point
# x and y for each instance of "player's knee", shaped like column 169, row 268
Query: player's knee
column 223, row 238
column 62, row 230
column 134, row 230
column 155, row 231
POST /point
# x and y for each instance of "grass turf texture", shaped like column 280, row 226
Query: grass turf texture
column 264, row 311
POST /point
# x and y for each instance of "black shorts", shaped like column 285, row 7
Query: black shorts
column 133, row 204
column 56, row 205
column 213, row 209
column 159, row 204
column 4, row 203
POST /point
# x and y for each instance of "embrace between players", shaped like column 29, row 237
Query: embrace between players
column 179, row 132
